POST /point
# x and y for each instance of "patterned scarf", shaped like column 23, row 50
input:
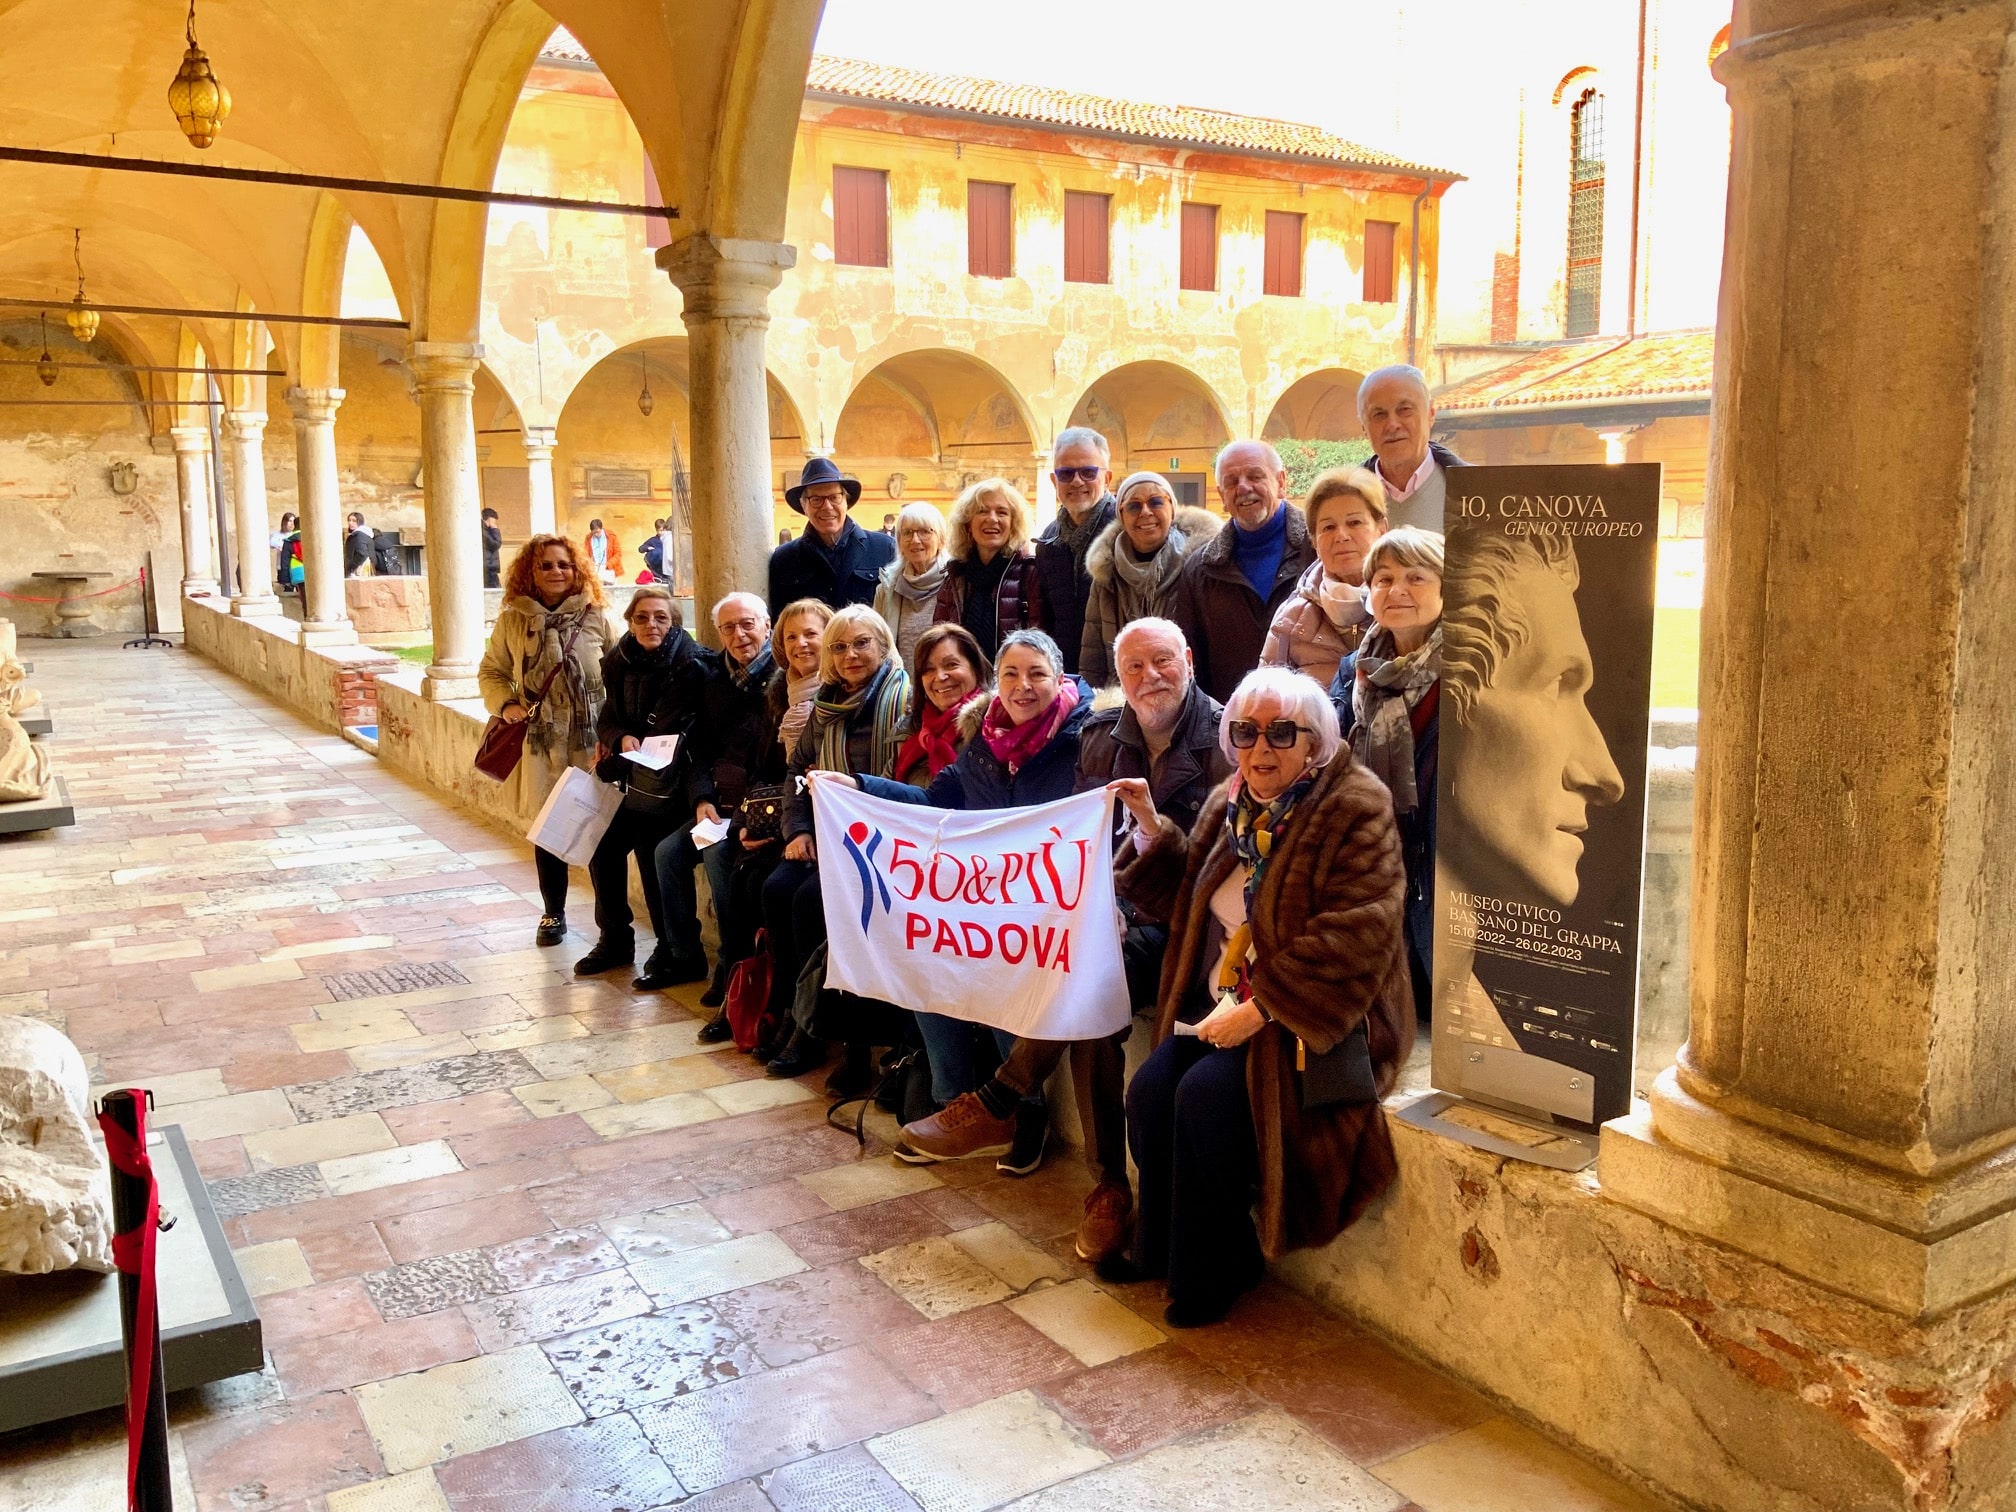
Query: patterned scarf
column 885, row 695
column 1387, row 686
column 1140, row 585
column 1015, row 746
column 566, row 720
column 1254, row 827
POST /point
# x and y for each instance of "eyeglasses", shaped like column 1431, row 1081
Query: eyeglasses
column 1077, row 474
column 823, row 498
column 860, row 646
column 1280, row 733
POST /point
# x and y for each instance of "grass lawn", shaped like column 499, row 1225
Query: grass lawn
column 418, row 655
column 1676, row 656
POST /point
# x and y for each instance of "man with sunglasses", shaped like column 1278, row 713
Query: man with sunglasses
column 1232, row 584
column 1080, row 467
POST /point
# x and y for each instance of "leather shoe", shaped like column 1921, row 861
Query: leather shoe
column 715, row 1030
column 803, row 1054
column 962, row 1127
column 1103, row 1230
column 552, row 930
column 661, row 972
column 606, row 956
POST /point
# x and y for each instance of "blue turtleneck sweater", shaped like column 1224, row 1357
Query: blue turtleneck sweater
column 1258, row 552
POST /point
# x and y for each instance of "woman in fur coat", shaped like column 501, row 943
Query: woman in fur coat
column 1285, row 951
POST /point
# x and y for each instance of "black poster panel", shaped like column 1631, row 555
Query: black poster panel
column 1545, row 718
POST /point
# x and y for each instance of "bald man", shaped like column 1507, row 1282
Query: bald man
column 1395, row 408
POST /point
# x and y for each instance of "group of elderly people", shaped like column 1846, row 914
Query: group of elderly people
column 1259, row 691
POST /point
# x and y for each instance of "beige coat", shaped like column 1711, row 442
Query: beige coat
column 524, row 645
column 1302, row 637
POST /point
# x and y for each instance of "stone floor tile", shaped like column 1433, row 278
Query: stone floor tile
column 307, row 1144
column 181, row 1087
column 1501, row 1466
column 641, row 1185
column 461, row 1226
column 557, row 1308
column 339, row 945
column 1084, row 1320
column 695, row 1274
column 1267, row 1326
column 1146, row 1399
column 235, row 1196
column 937, row 1277
column 861, row 1182
column 1038, row 1207
column 667, row 1231
column 739, row 1496
column 415, row 1491
column 654, row 1079
column 311, row 1311
column 257, row 1071
column 953, row 1208
column 974, row 1355
column 985, row 1455
column 410, row 1052
column 493, row 1010
column 1011, row 1257
column 856, row 1232
column 596, row 1467
column 776, row 1206
column 367, row 1173
column 401, row 1086
column 1368, row 1400
column 539, row 1031
column 336, row 1253
column 280, row 1454
column 559, row 1255
column 425, row 1286
column 275, row 1266
column 745, row 1427
column 676, row 1111
column 1264, row 1463
column 235, row 1113
column 814, row 1311
column 476, row 1113
column 613, row 1052
column 340, row 1361
column 753, row 1094
column 154, row 950
column 346, row 1026
column 256, row 974
column 521, row 1141
column 471, row 1405
column 847, row 1480
column 566, row 1094
column 651, row 1358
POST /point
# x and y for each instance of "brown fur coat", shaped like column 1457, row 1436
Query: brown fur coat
column 1328, row 953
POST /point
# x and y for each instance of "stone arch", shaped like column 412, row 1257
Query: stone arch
column 1318, row 406
column 923, row 424
column 1158, row 415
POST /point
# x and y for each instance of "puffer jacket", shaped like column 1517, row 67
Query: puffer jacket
column 1018, row 599
column 1302, row 636
column 1103, row 620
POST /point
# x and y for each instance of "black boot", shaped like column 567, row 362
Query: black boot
column 715, row 1030
column 670, row 968
column 856, row 1073
column 717, row 990
column 804, row 1053
column 607, row 955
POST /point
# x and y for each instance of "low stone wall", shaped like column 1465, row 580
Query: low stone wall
column 320, row 682
column 435, row 743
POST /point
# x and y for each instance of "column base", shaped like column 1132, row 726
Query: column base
column 265, row 606
column 200, row 588
column 331, row 633
column 1891, row 1241
column 450, row 683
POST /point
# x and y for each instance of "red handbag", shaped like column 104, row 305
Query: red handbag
column 748, row 999
column 503, row 744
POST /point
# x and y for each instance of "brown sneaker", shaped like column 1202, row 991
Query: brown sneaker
column 962, row 1127
column 1104, row 1228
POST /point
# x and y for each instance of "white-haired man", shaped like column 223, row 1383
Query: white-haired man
column 1081, row 468
column 1398, row 414
column 1231, row 585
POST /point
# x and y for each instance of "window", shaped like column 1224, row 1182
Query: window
column 1200, row 247
column 1085, row 233
column 1284, row 254
column 861, row 217
column 1585, row 215
column 1379, row 239
column 990, row 230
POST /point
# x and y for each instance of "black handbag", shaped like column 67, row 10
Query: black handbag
column 1342, row 1074
column 762, row 811
column 657, row 795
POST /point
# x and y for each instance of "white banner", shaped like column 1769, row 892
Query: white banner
column 1003, row 917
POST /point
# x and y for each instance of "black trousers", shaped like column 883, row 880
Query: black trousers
column 1191, row 1127
column 629, row 834
column 794, row 913
column 552, row 873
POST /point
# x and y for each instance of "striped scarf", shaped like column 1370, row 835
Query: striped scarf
column 887, row 696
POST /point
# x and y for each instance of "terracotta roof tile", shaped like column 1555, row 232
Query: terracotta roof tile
column 1658, row 365
column 1184, row 125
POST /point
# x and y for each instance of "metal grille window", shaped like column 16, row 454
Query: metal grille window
column 1585, row 215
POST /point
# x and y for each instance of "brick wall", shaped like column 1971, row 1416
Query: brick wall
column 357, row 691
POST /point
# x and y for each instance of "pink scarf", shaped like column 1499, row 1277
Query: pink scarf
column 1014, row 745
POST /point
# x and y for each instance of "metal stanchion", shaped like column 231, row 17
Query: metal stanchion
column 136, row 1217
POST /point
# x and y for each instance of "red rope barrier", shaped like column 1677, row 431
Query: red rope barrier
column 22, row 598
column 133, row 1253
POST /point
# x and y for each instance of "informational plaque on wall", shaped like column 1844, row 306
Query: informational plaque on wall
column 1544, row 723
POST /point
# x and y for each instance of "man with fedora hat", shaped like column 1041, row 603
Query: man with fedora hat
column 835, row 560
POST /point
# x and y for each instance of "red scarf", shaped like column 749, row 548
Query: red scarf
column 1013, row 745
column 935, row 745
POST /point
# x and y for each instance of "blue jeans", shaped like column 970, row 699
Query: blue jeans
column 949, row 1044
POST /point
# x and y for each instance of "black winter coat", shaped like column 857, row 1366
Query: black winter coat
column 646, row 693
column 978, row 780
column 1065, row 586
column 1018, row 601
column 847, row 574
column 1112, row 747
column 732, row 734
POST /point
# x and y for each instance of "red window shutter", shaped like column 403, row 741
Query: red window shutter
column 1284, row 254
column 657, row 230
column 1200, row 247
column 861, row 217
column 990, row 236
column 1379, row 241
column 1085, row 238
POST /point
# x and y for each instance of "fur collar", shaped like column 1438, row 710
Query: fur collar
column 1197, row 525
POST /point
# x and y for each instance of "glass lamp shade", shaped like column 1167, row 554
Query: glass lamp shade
column 199, row 99
column 645, row 402
column 45, row 369
column 82, row 320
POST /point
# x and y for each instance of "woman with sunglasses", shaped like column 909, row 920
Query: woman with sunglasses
column 1388, row 693
column 1286, row 964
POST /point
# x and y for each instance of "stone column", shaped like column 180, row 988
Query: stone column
column 192, row 488
column 727, row 284
column 445, row 373
column 325, row 615
column 539, row 492
column 1845, row 1105
column 244, row 441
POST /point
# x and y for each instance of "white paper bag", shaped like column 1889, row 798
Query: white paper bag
column 574, row 816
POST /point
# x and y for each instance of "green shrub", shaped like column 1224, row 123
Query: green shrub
column 1306, row 459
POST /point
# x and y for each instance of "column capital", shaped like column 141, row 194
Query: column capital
column 439, row 366
column 190, row 438
column 540, row 440
column 244, row 425
column 314, row 405
column 725, row 277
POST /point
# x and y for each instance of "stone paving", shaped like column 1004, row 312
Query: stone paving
column 521, row 1242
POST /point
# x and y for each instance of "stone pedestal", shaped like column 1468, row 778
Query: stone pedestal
column 244, row 445
column 539, row 492
column 727, row 284
column 446, row 375
column 192, row 490
column 323, row 621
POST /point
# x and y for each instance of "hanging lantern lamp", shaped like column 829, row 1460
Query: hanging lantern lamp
column 198, row 97
column 644, row 399
column 80, row 317
column 45, row 365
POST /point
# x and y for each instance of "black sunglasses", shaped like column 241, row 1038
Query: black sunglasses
column 1280, row 733
column 1082, row 474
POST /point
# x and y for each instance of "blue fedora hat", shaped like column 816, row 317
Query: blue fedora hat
column 822, row 470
